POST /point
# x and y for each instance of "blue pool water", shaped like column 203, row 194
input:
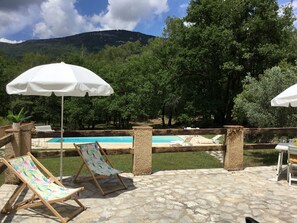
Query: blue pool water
column 114, row 139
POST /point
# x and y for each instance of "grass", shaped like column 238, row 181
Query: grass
column 261, row 157
column 162, row 161
column 184, row 160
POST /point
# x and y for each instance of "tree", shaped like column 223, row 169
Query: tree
column 115, row 64
column 45, row 110
column 158, row 70
column 7, row 69
column 219, row 43
column 79, row 112
column 252, row 106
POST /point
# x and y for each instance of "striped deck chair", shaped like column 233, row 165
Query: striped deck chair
column 98, row 165
column 46, row 190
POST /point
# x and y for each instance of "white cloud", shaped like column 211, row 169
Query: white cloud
column 60, row 18
column 184, row 6
column 294, row 7
column 188, row 24
column 294, row 4
column 183, row 9
column 126, row 14
column 13, row 21
column 56, row 18
column 3, row 40
column 18, row 4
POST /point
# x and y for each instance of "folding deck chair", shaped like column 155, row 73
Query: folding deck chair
column 42, row 128
column 46, row 191
column 98, row 165
column 215, row 139
column 186, row 142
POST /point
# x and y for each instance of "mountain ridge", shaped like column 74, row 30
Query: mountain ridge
column 91, row 41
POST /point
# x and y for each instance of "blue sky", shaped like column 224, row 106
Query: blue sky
column 37, row 19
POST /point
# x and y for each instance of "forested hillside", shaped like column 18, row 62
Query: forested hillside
column 91, row 42
column 191, row 76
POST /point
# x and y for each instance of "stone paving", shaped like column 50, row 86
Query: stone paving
column 199, row 195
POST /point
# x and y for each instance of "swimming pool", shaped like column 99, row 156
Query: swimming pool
column 114, row 139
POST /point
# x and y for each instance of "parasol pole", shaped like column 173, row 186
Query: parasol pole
column 61, row 139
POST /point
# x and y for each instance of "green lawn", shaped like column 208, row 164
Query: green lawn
column 163, row 161
column 261, row 157
column 184, row 160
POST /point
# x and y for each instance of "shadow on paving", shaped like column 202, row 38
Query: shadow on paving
column 90, row 191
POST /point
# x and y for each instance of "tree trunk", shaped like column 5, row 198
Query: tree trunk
column 163, row 116
column 170, row 118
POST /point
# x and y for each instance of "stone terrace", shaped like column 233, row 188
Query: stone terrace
column 203, row 195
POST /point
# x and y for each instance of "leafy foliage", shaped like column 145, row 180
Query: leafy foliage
column 221, row 43
column 20, row 117
column 252, row 106
column 191, row 74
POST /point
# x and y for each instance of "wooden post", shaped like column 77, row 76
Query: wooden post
column 3, row 129
column 233, row 157
column 142, row 147
column 20, row 145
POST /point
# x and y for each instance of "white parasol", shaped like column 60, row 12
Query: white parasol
column 287, row 98
column 63, row 80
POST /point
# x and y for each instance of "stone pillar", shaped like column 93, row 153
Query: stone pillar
column 20, row 145
column 233, row 157
column 142, row 147
column 26, row 138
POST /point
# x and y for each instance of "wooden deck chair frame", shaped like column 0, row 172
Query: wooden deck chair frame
column 94, row 176
column 186, row 142
column 36, row 199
